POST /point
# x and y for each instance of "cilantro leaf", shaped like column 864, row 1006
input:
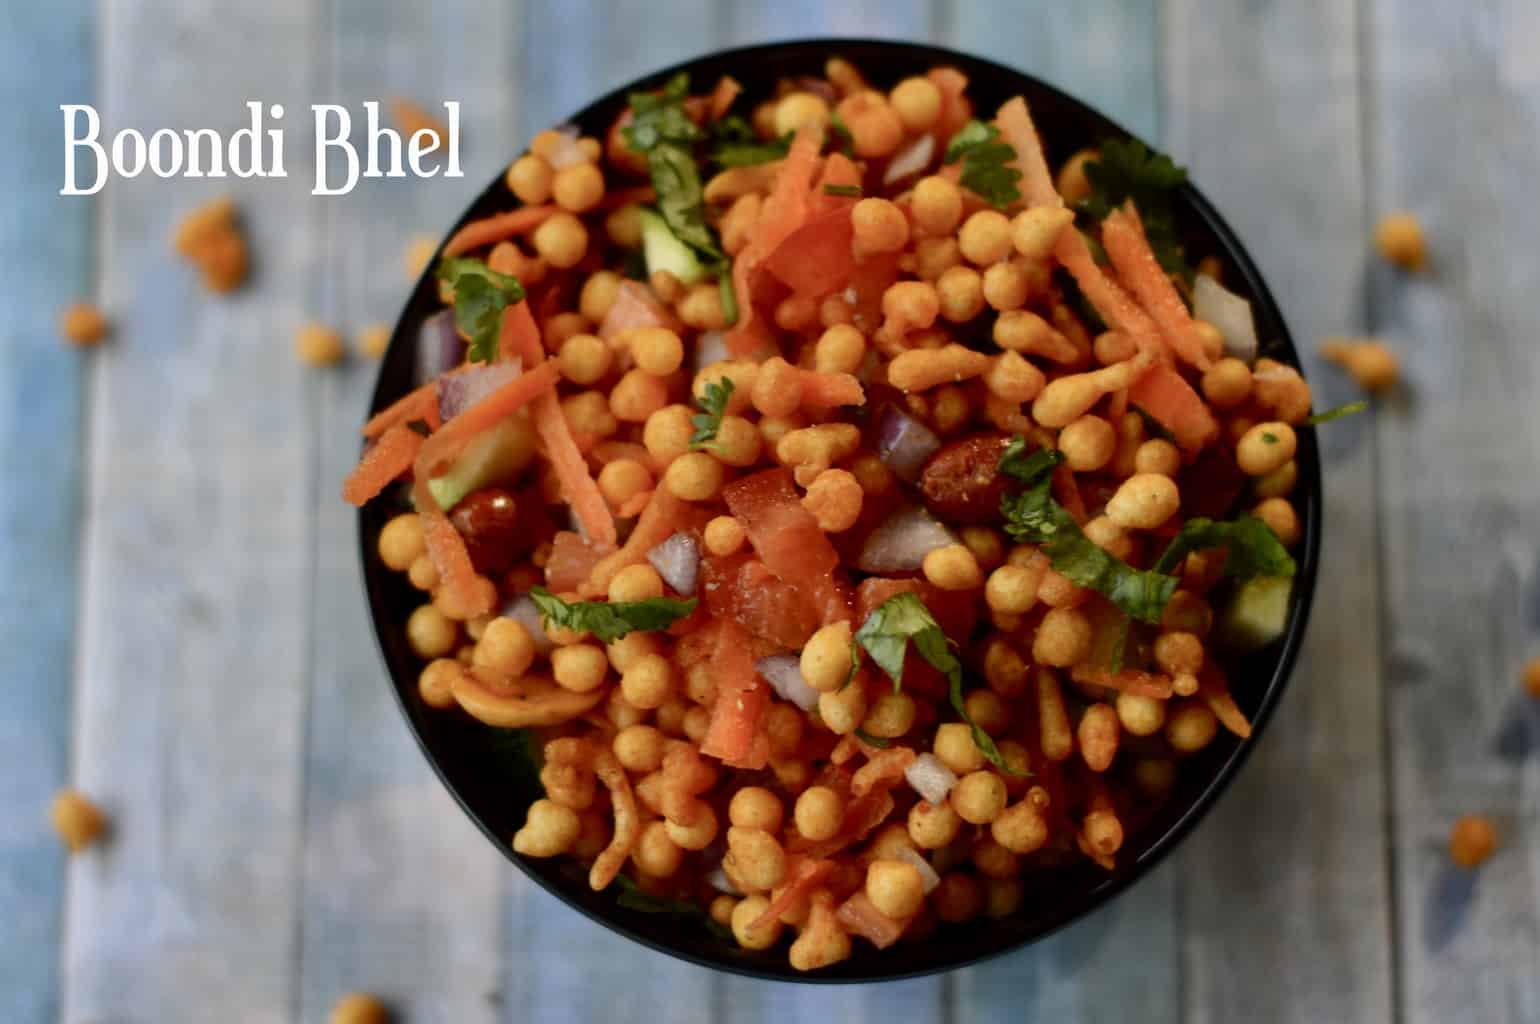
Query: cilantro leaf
column 734, row 144
column 481, row 295
column 840, row 132
column 634, row 897
column 849, row 191
column 1034, row 517
column 608, row 621
column 658, row 117
column 1252, row 549
column 714, row 406
column 729, row 297
column 886, row 635
column 986, row 161
column 681, row 198
column 1337, row 413
column 1127, row 169
column 872, row 741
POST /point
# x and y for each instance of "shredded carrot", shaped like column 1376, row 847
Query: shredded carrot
column 805, row 874
column 1165, row 395
column 520, row 337
column 784, row 210
column 740, row 703
column 497, row 227
column 421, row 404
column 533, row 384
column 577, row 486
column 1017, row 129
column 828, row 390
column 1123, row 238
column 467, row 593
column 1128, row 680
column 841, row 172
column 1110, row 301
column 634, row 505
column 722, row 97
column 883, row 768
column 387, row 459
column 1117, row 405
column 861, row 917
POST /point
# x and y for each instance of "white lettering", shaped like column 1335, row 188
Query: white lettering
column 136, row 141
column 453, row 170
column 424, row 141
column 195, row 152
column 323, row 143
column 160, row 140
column 252, row 136
column 376, row 136
column 71, row 141
column 275, row 135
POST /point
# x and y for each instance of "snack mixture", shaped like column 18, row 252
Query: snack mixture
column 857, row 516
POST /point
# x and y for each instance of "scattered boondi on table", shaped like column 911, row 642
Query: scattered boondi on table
column 860, row 529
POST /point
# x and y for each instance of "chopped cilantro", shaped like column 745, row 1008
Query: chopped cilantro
column 872, row 741
column 1268, row 437
column 841, row 133
column 481, row 295
column 1033, row 517
column 986, row 163
column 1251, row 548
column 734, row 144
column 1125, row 170
column 1337, row 413
column 608, row 621
column 851, row 191
column 634, row 897
column 714, row 406
column 886, row 635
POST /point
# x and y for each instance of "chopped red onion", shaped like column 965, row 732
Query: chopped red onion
column 710, row 347
column 566, row 151
column 904, row 443
column 928, row 877
column 439, row 347
column 784, row 674
column 718, row 880
column 678, row 562
column 1229, row 313
column 818, row 87
column 901, row 541
column 458, row 392
column 523, row 611
column 910, row 160
column 930, row 778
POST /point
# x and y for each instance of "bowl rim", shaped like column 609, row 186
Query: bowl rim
column 1207, row 794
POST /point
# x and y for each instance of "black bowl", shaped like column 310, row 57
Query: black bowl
column 488, row 776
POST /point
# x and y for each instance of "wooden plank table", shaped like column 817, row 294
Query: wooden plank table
column 182, row 620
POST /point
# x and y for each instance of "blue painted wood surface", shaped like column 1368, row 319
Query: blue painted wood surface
column 46, row 249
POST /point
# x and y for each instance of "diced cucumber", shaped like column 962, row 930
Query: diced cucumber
column 497, row 455
column 1257, row 614
column 664, row 251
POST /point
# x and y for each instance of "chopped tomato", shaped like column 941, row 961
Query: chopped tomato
column 815, row 259
column 740, row 703
column 572, row 561
column 742, row 588
column 869, row 279
column 1211, row 485
column 861, row 917
column 786, row 536
column 384, row 461
column 1163, row 393
column 635, row 306
column 953, row 610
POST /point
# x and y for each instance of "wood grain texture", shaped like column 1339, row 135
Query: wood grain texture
column 46, row 246
column 401, row 895
column 1455, row 98
column 193, row 661
column 1284, row 903
column 1108, row 54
